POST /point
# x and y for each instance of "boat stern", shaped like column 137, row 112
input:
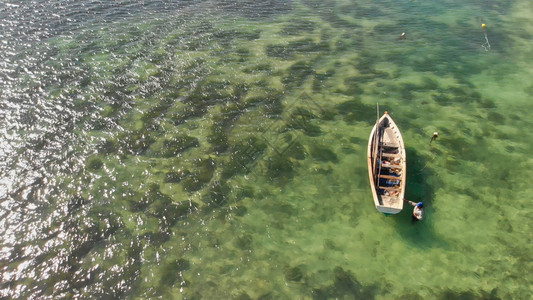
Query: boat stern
column 388, row 210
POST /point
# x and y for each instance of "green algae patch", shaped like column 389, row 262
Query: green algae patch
column 177, row 176
column 243, row 155
column 173, row 272
column 94, row 163
column 293, row 273
column 195, row 165
column 173, row 146
column 202, row 173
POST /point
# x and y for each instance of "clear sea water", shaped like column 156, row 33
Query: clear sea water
column 217, row 149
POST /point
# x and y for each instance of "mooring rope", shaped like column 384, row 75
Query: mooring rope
column 485, row 45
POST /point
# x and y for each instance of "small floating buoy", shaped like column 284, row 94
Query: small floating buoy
column 403, row 36
column 485, row 45
column 435, row 136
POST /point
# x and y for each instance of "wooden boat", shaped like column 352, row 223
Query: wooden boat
column 387, row 165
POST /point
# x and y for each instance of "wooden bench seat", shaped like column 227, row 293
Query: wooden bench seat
column 390, row 145
column 391, row 166
column 390, row 155
column 390, row 188
column 390, row 177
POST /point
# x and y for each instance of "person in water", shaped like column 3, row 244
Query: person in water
column 418, row 211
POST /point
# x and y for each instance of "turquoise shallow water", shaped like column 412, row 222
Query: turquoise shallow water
column 217, row 150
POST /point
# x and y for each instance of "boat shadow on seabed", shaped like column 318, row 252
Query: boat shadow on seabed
column 420, row 234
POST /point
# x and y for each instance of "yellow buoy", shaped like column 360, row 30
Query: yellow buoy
column 483, row 26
